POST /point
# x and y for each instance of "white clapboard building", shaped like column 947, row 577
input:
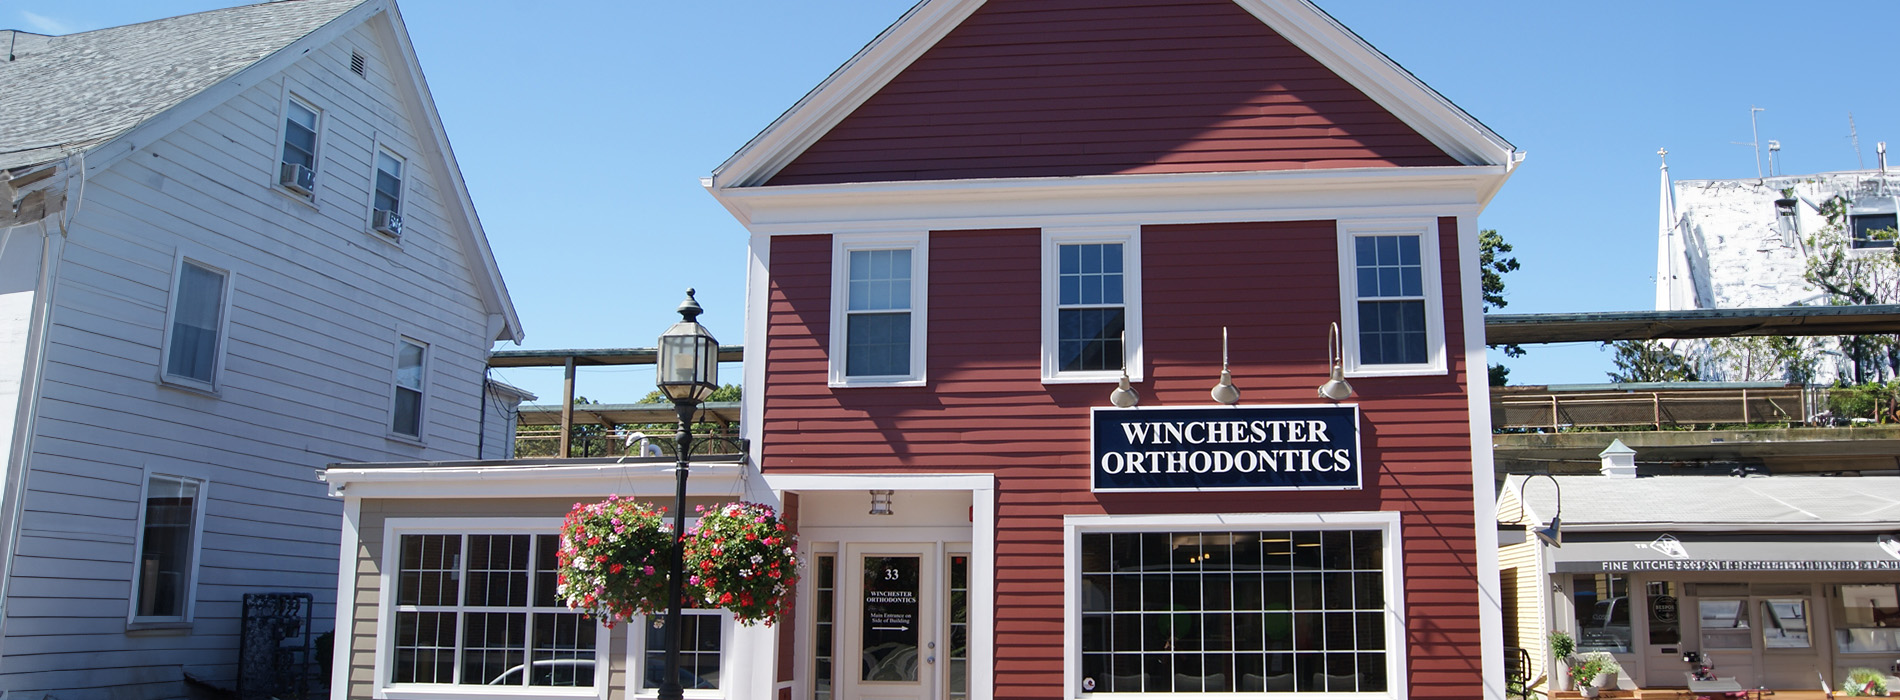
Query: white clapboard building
column 234, row 248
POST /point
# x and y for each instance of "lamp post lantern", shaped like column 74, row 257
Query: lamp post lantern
column 688, row 372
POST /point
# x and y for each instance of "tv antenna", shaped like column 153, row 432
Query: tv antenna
column 1774, row 147
column 1755, row 133
column 1854, row 134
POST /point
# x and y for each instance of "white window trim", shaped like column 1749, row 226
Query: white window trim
column 1386, row 522
column 1129, row 236
column 402, row 193
column 215, row 263
column 393, row 530
column 918, row 243
column 132, row 618
column 395, row 372
column 277, row 150
column 1429, row 253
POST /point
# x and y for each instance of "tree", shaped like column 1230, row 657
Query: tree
column 1650, row 361
column 1493, row 262
column 1848, row 276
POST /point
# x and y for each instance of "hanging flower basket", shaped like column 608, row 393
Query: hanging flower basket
column 744, row 560
column 613, row 559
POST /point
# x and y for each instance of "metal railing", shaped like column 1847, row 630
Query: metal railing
column 1548, row 408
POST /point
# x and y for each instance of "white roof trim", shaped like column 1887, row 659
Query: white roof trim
column 474, row 241
column 1299, row 21
column 529, row 481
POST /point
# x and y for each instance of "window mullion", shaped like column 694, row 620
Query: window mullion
column 461, row 608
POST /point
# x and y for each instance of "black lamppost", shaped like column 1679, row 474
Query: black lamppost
column 688, row 373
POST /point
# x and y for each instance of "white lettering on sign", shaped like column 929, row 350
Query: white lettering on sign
column 1245, row 462
column 1225, row 432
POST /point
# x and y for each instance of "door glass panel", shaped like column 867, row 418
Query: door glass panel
column 826, row 622
column 959, row 655
column 1724, row 624
column 1784, row 623
column 890, row 618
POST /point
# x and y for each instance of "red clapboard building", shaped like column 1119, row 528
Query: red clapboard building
column 968, row 236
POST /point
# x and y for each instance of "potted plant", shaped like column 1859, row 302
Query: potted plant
column 613, row 559
column 1608, row 670
column 1561, row 647
column 1864, row 682
column 744, row 560
column 1583, row 674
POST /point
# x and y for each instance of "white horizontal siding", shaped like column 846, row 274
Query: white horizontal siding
column 318, row 303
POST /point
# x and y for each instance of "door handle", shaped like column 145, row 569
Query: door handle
column 930, row 659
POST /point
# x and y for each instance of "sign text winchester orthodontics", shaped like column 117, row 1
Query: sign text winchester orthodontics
column 1239, row 448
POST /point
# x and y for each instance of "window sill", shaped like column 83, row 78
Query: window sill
column 1091, row 378
column 411, row 440
column 1395, row 371
column 309, row 200
column 158, row 629
column 189, row 386
column 875, row 383
column 451, row 692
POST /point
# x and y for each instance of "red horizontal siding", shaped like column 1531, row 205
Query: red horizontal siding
column 1050, row 88
column 1274, row 285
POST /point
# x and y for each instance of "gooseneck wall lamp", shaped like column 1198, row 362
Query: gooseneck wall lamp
column 688, row 372
column 1225, row 392
column 1124, row 395
column 1552, row 534
column 1335, row 388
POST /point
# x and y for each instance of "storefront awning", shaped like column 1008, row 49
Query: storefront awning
column 1696, row 552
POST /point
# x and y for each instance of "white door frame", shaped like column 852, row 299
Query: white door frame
column 930, row 622
column 982, row 539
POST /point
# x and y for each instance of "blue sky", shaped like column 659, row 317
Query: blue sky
column 583, row 129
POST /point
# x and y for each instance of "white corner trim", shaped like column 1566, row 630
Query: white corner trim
column 842, row 246
column 1484, row 496
column 758, row 310
column 1129, row 236
column 1426, row 228
column 343, row 647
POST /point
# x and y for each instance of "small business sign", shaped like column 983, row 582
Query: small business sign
column 1226, row 448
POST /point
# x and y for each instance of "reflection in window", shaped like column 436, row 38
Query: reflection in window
column 1090, row 309
column 699, row 649
column 1276, row 611
column 167, row 548
column 824, row 625
column 1391, row 292
column 1601, row 602
column 1869, row 620
column 482, row 610
column 959, row 655
column 1665, row 613
column 877, row 314
column 1784, row 623
column 1724, row 624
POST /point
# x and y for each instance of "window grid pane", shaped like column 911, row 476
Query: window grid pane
column 1389, row 275
column 388, row 183
column 1090, row 307
column 300, row 135
column 699, row 650
column 406, row 413
column 1274, row 611
column 877, row 324
column 464, row 616
column 825, row 621
column 171, row 512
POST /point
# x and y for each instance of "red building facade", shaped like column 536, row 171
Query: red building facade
column 962, row 239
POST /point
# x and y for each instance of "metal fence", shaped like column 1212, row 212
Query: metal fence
column 1548, row 408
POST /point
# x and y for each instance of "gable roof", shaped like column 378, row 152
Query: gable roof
column 69, row 93
column 108, row 92
column 779, row 155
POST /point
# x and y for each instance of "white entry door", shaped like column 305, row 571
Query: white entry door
column 891, row 603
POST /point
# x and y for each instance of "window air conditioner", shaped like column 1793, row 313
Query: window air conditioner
column 386, row 221
column 298, row 178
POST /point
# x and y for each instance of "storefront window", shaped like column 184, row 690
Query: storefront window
column 1665, row 613
column 1724, row 624
column 1602, row 605
column 481, row 610
column 1784, row 623
column 1224, row 612
column 1869, row 620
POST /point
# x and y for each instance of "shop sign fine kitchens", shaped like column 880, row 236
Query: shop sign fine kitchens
column 1242, row 448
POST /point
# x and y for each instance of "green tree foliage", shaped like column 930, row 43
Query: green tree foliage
column 1494, row 260
column 1849, row 276
column 1766, row 358
column 1649, row 361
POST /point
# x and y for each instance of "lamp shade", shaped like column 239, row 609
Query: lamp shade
column 688, row 362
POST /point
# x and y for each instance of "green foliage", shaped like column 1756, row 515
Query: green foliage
column 1864, row 682
column 1766, row 358
column 1493, row 261
column 1849, row 276
column 725, row 393
column 1562, row 645
column 1607, row 661
column 1873, row 400
column 1650, row 361
column 1584, row 670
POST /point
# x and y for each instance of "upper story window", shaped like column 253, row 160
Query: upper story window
column 1872, row 228
column 411, row 388
column 1390, row 290
column 298, row 170
column 878, row 289
column 479, row 607
column 166, row 573
column 194, row 346
column 386, row 207
column 1091, row 301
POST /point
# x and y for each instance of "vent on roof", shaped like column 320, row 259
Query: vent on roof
column 357, row 63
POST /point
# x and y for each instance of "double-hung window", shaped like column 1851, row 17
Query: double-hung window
column 479, row 607
column 411, row 388
column 702, row 650
column 878, row 294
column 1091, row 303
column 297, row 169
column 165, row 575
column 1234, row 604
column 386, row 207
column 194, row 342
column 1392, row 304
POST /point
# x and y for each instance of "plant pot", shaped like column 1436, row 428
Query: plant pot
column 1605, row 680
column 1589, row 691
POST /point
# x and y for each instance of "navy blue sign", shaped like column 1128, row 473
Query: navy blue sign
column 1258, row 448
